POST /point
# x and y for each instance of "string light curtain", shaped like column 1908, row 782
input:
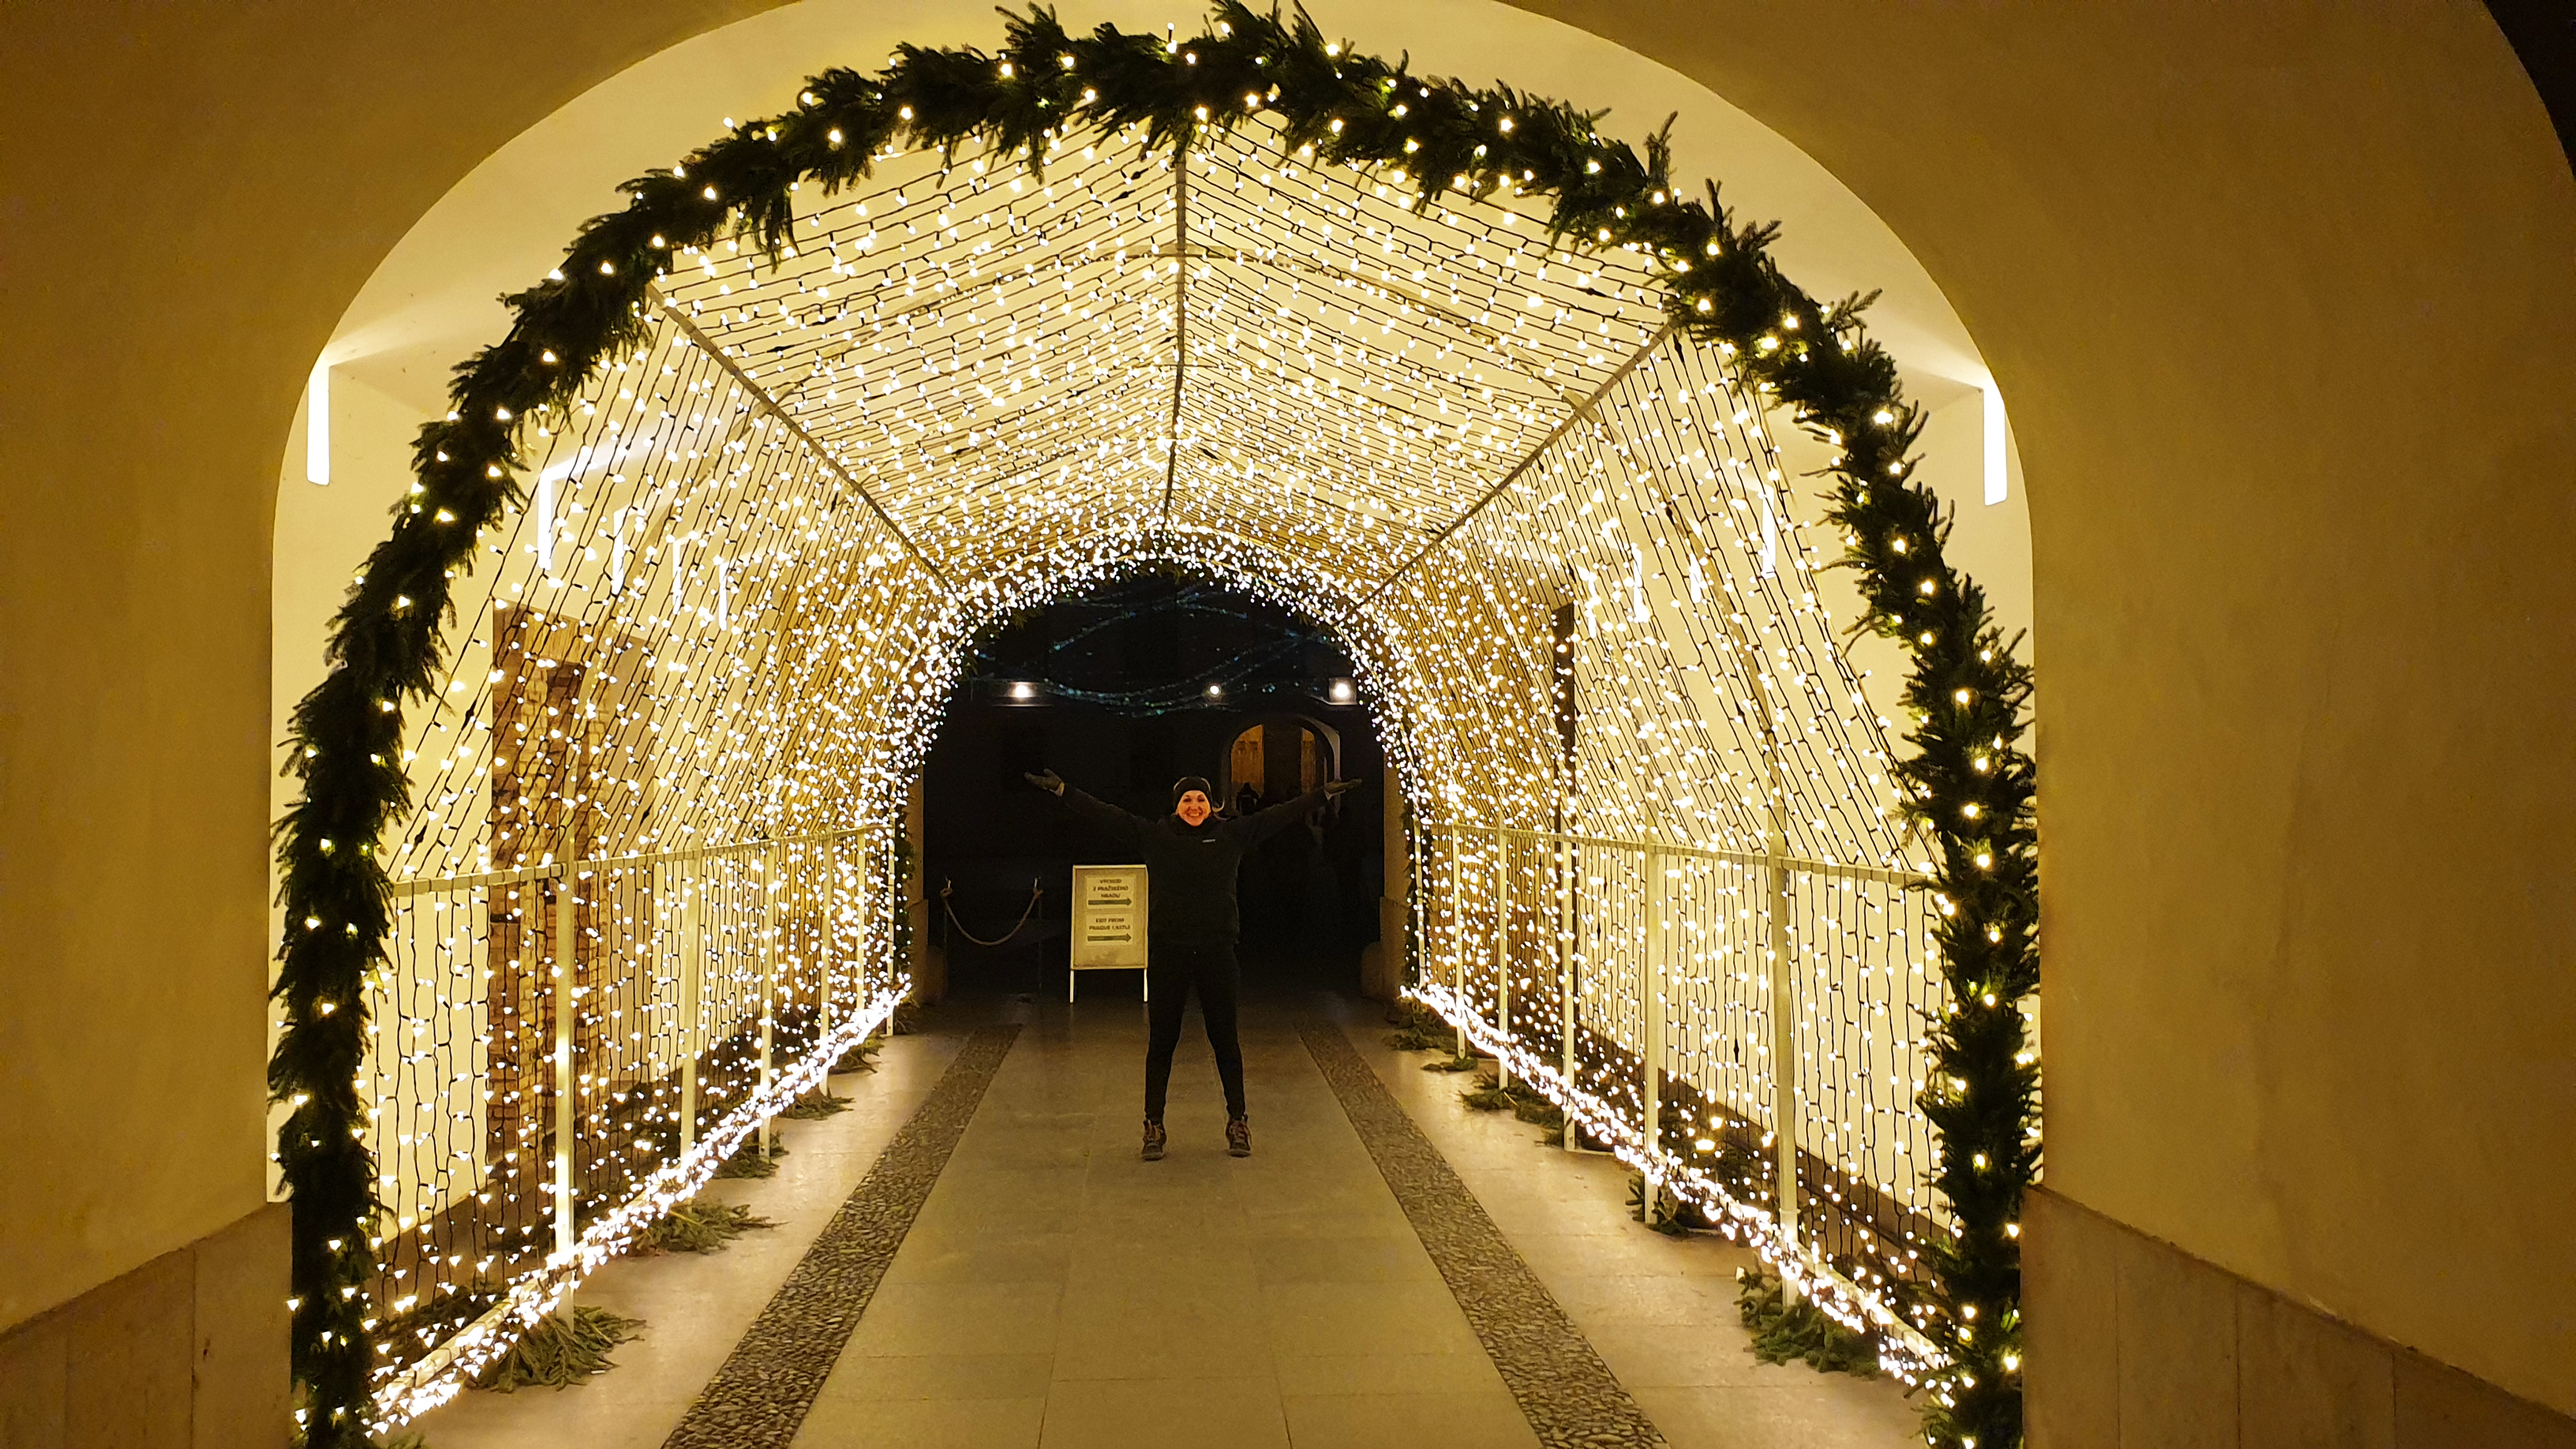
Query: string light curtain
column 690, row 666
column 732, row 603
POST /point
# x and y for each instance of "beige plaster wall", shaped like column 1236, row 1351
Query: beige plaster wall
column 2308, row 765
column 188, row 199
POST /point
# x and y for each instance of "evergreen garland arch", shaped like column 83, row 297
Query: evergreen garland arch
column 1968, row 783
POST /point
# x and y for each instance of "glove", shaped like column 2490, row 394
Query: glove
column 1333, row 788
column 1048, row 781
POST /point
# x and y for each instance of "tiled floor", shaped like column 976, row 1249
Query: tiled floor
column 1055, row 1291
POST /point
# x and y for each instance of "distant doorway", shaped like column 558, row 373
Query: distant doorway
column 1279, row 759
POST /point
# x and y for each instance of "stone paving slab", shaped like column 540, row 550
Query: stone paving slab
column 1570, row 1397
column 759, row 1398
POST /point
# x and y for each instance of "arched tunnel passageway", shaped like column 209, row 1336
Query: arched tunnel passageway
column 2270, row 825
column 664, row 866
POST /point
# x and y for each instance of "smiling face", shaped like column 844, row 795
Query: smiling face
column 1193, row 808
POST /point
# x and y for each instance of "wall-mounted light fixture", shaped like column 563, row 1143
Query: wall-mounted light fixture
column 317, row 425
column 1341, row 691
column 1023, row 690
column 1998, row 447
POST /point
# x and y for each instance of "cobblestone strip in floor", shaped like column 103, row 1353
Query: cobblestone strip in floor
column 759, row 1398
column 1567, row 1393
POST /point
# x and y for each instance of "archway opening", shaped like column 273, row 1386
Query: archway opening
column 787, row 451
column 1125, row 689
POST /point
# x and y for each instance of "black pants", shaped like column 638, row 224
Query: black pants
column 1176, row 969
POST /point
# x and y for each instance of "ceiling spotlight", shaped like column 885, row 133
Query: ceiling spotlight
column 1341, row 691
column 1215, row 690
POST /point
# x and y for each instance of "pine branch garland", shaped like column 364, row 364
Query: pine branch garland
column 1969, row 783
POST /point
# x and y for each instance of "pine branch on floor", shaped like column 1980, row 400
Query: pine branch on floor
column 1418, row 1028
column 747, row 1161
column 1521, row 1100
column 815, row 1106
column 561, row 1351
column 1800, row 1330
column 699, row 1226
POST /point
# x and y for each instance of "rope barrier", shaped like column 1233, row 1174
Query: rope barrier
column 949, row 888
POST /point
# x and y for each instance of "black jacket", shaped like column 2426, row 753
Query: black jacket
column 1190, row 874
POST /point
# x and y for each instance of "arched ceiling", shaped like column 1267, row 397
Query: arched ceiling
column 963, row 382
column 1279, row 351
column 505, row 222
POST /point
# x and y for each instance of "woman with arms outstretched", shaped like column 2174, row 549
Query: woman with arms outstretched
column 1191, row 927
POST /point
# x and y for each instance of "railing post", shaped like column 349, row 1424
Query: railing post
column 1566, row 961
column 768, row 859
column 1502, row 952
column 1650, row 980
column 861, row 951
column 1458, row 931
column 567, row 1001
column 692, row 965
column 1785, row 1111
column 1417, row 861
column 831, row 940
column 881, row 879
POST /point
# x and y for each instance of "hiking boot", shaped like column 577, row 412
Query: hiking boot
column 1238, row 1137
column 1153, row 1142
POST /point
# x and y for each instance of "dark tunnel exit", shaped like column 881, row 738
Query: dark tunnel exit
column 1122, row 691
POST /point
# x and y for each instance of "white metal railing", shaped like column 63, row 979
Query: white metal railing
column 1783, row 1001
column 561, row 1053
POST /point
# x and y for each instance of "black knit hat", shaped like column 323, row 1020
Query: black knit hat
column 1186, row 784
